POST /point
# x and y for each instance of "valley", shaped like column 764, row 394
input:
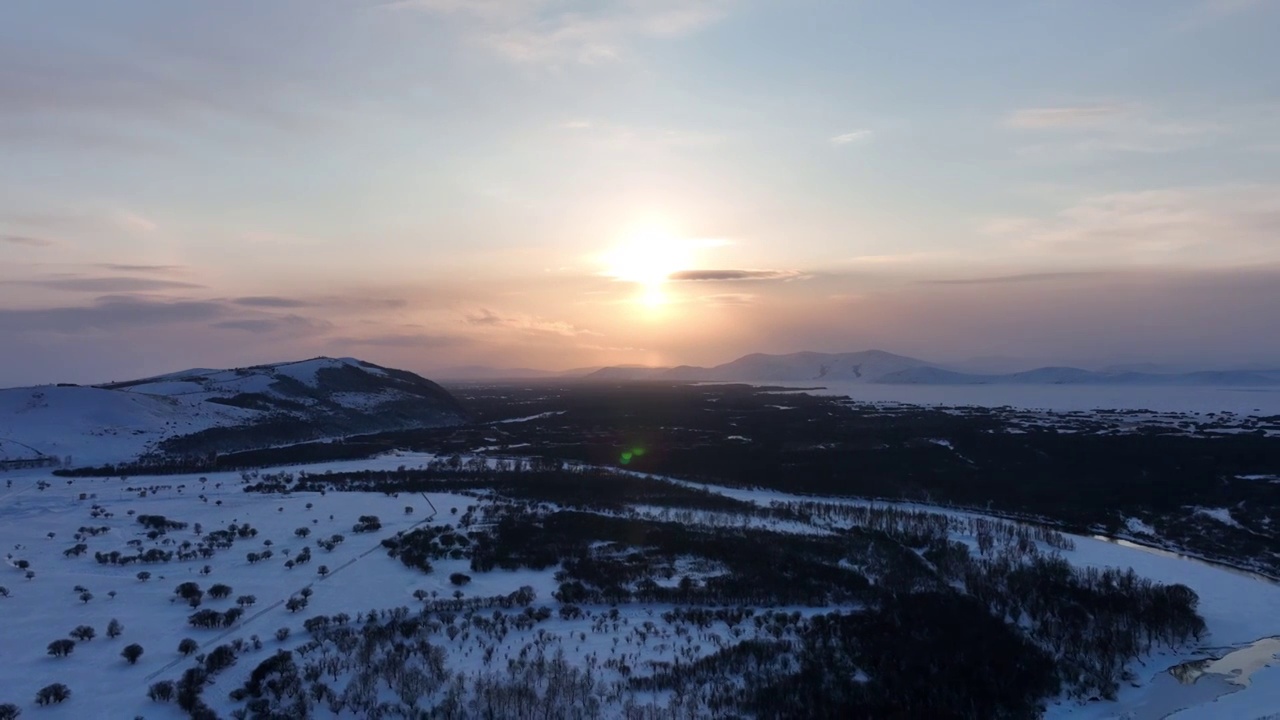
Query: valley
column 617, row 550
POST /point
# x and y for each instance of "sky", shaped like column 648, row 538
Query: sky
column 430, row 184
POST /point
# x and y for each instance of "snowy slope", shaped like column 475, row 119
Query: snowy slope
column 15, row 451
column 94, row 425
column 302, row 400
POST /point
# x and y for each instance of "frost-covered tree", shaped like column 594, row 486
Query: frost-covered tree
column 188, row 646
column 9, row 711
column 84, row 633
column 114, row 628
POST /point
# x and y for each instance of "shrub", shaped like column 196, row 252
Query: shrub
column 4, row 591
column 188, row 646
column 131, row 653
column 55, row 693
column 459, row 579
column 86, row 596
column 282, row 634
column 114, row 628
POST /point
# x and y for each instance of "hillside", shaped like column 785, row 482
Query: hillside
column 206, row 411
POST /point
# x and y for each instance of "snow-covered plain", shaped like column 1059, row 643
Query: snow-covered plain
column 1238, row 608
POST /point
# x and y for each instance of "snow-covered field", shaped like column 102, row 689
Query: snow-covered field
column 1238, row 608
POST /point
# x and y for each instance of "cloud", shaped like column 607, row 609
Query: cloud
column 1021, row 278
column 524, row 323
column 271, row 301
column 123, row 267
column 487, row 318
column 640, row 138
column 1044, row 118
column 108, row 313
column 106, row 284
column 1217, row 225
column 730, row 299
column 403, row 340
column 732, row 275
column 25, row 240
column 1084, row 131
column 286, row 323
column 134, row 222
column 537, row 31
column 855, row 136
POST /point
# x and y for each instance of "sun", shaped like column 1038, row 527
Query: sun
column 649, row 257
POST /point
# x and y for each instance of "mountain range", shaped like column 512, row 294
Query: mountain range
column 209, row 411
column 878, row 366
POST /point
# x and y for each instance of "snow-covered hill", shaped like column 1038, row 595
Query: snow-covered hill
column 218, row 410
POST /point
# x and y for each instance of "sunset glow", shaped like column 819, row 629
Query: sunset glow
column 433, row 184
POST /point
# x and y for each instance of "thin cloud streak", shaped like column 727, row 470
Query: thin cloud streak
column 534, row 31
column 106, row 284
column 1022, row 278
column 124, row 267
column 271, row 301
column 1045, row 118
column 26, row 241
column 856, row 136
column 732, row 275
